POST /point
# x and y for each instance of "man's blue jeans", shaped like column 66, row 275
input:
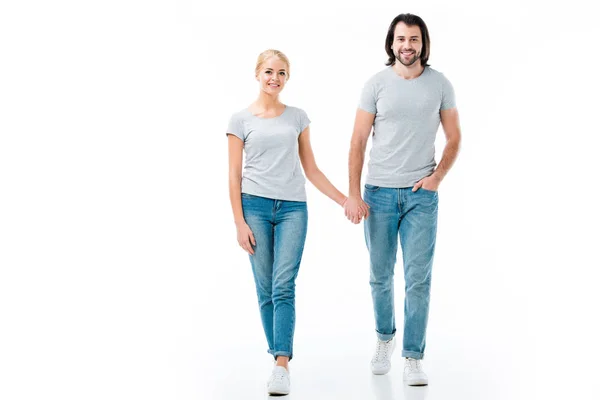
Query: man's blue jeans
column 279, row 228
column 412, row 216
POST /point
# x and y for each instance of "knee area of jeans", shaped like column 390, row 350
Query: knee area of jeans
column 284, row 298
column 284, row 286
column 264, row 295
column 419, row 288
column 420, row 279
column 381, row 287
column 264, row 301
column 386, row 280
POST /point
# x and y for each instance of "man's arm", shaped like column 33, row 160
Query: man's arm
column 451, row 127
column 355, row 207
column 362, row 129
column 452, row 131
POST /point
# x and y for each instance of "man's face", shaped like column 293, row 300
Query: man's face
column 407, row 44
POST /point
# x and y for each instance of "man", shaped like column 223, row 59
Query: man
column 404, row 104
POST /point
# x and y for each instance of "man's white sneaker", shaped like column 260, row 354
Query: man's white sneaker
column 381, row 361
column 413, row 373
column 279, row 382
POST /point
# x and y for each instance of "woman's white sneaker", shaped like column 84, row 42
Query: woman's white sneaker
column 382, row 359
column 279, row 382
column 414, row 374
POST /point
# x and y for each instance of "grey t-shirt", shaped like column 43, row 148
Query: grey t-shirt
column 407, row 118
column 272, row 168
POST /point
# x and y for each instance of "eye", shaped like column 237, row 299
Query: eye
column 267, row 72
column 282, row 73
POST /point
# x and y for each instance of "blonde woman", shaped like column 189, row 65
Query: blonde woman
column 269, row 202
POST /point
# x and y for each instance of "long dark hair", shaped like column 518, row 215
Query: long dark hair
column 410, row 20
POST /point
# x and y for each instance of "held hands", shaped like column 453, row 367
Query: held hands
column 245, row 237
column 355, row 209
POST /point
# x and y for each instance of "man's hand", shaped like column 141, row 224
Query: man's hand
column 428, row 183
column 355, row 209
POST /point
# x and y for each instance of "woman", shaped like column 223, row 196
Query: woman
column 269, row 202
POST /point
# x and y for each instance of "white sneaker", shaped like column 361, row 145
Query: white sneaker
column 413, row 373
column 381, row 361
column 279, row 382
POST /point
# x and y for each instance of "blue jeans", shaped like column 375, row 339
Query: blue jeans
column 412, row 217
column 279, row 228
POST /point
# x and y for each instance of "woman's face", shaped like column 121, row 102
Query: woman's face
column 272, row 76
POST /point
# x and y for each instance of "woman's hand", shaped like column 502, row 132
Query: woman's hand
column 245, row 237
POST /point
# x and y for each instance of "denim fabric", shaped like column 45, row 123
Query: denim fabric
column 279, row 228
column 412, row 217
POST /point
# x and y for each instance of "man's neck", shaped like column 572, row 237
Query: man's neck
column 412, row 72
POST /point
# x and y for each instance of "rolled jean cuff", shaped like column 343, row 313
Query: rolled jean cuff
column 412, row 354
column 281, row 353
column 385, row 336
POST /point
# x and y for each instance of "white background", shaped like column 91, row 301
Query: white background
column 120, row 273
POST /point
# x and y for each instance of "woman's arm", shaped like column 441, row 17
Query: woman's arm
column 244, row 234
column 313, row 173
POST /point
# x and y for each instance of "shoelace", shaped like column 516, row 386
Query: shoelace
column 278, row 376
column 381, row 351
column 414, row 365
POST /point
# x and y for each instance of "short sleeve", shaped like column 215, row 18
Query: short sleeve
column 448, row 100
column 303, row 120
column 236, row 127
column 368, row 99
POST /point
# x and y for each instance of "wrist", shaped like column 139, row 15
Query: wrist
column 354, row 190
column 353, row 194
column 437, row 177
column 343, row 202
column 239, row 222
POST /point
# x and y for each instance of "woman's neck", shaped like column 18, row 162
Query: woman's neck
column 267, row 102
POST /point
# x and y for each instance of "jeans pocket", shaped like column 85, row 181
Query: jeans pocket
column 248, row 199
column 371, row 188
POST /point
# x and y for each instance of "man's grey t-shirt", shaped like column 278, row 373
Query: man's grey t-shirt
column 407, row 118
column 272, row 168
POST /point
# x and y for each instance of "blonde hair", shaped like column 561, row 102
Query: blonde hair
column 265, row 55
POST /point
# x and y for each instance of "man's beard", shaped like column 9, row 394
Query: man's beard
column 410, row 62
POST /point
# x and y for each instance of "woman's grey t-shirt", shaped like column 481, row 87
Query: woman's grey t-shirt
column 407, row 118
column 272, row 168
